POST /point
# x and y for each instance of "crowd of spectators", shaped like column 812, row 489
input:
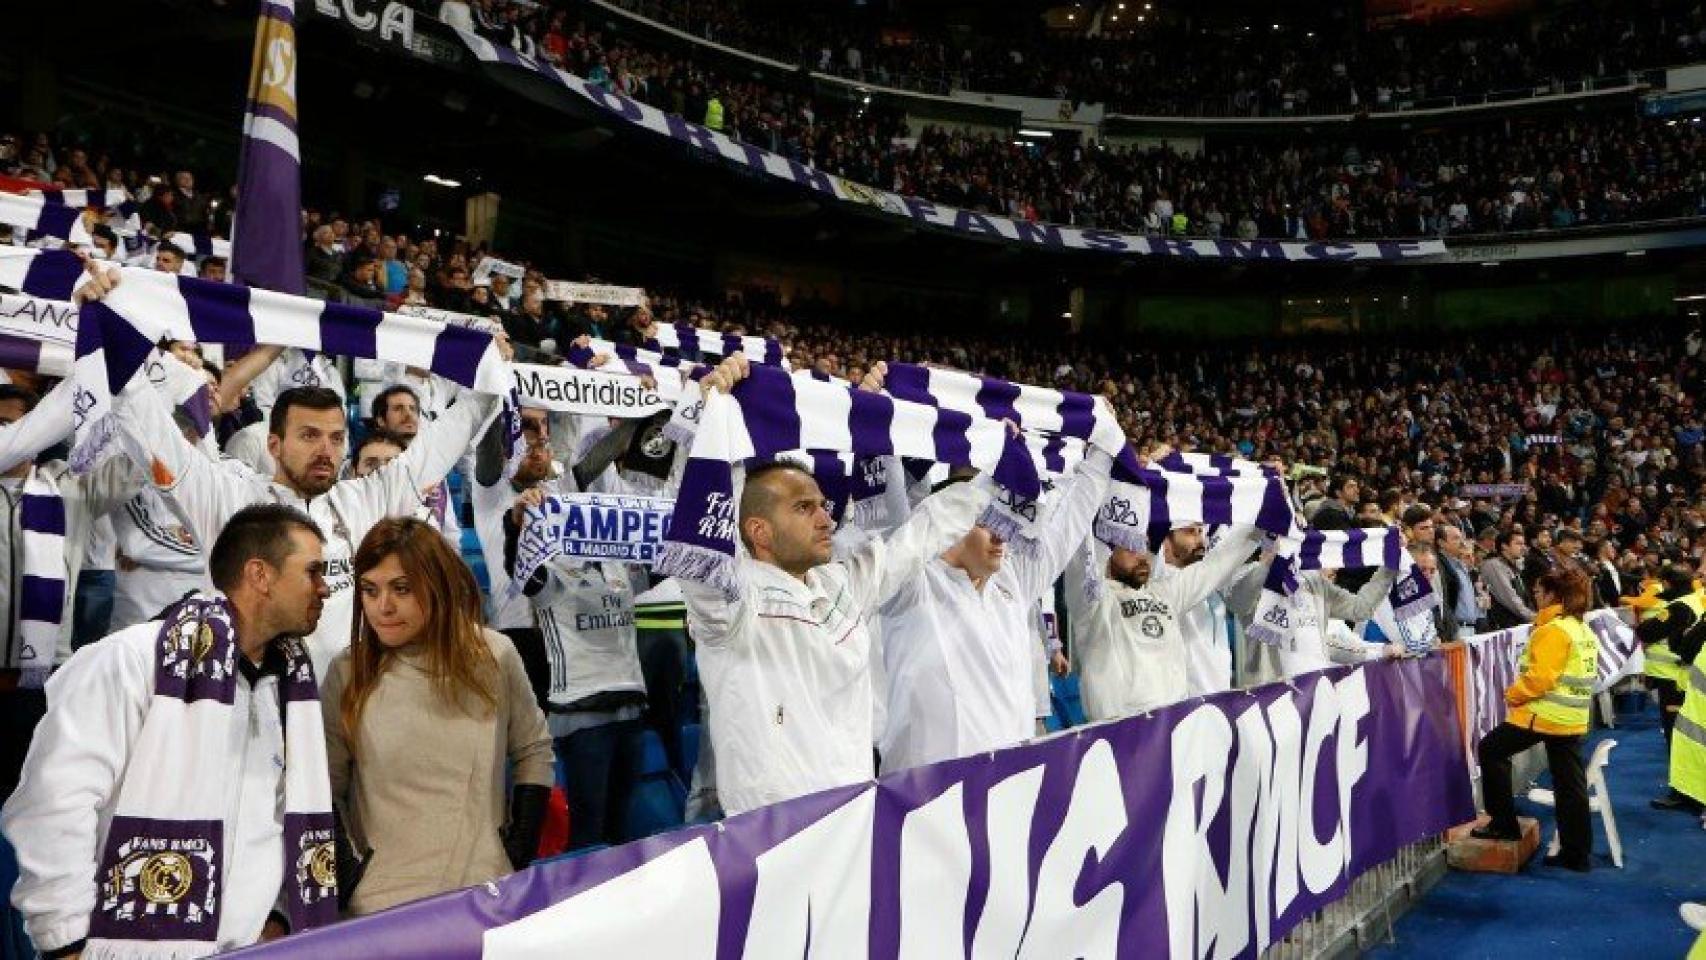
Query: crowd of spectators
column 1486, row 178
column 1575, row 451
column 1600, row 429
column 1186, row 62
column 1629, row 464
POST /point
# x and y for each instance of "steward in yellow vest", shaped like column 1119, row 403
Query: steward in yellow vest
column 1550, row 703
column 1665, row 631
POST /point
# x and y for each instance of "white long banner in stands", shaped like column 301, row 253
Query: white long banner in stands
column 965, row 222
column 437, row 315
column 587, row 392
column 594, row 293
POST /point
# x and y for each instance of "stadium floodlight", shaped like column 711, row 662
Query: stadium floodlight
column 437, row 180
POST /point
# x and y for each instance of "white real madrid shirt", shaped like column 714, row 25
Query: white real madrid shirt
column 57, row 818
column 167, row 561
column 786, row 666
column 1131, row 653
column 1320, row 610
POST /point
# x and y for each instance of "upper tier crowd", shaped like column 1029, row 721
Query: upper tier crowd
column 1513, row 175
column 1185, row 62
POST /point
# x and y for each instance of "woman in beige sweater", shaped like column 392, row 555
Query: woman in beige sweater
column 428, row 713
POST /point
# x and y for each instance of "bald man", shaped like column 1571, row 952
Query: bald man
column 786, row 665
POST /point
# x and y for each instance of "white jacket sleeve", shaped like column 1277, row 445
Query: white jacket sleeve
column 1192, row 585
column 394, row 490
column 39, row 429
column 1353, row 607
column 203, row 493
column 876, row 570
column 712, row 618
column 1344, row 646
column 1081, row 613
column 1067, row 526
column 96, row 703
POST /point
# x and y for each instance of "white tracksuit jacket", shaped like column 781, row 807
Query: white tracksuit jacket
column 786, row 666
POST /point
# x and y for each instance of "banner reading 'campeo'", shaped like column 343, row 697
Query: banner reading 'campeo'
column 1206, row 829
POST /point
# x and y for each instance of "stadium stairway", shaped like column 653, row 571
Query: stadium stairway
column 1544, row 911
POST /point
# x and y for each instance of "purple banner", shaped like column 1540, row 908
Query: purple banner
column 1209, row 827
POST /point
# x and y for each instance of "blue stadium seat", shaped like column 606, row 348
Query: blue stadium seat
column 1068, row 705
column 660, row 800
column 475, row 557
column 572, row 854
column 658, row 805
column 653, row 761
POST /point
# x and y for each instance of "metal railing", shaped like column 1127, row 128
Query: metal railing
column 1369, row 910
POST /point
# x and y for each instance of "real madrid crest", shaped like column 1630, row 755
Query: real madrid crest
column 165, row 877
column 202, row 644
column 323, row 864
column 654, row 444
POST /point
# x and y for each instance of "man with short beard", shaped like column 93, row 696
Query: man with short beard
column 1208, row 655
column 786, row 663
column 307, row 442
column 101, row 743
column 1126, row 631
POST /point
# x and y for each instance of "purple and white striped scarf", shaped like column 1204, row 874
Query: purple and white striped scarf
column 37, row 215
column 694, row 343
column 101, row 199
column 771, row 412
column 170, row 813
column 41, row 583
column 200, row 244
column 116, row 335
column 1337, row 550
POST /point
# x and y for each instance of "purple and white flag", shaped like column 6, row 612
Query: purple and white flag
column 268, row 221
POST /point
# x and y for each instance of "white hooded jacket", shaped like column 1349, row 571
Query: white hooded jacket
column 1131, row 653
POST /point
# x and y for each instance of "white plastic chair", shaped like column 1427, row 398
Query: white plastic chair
column 1599, row 801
